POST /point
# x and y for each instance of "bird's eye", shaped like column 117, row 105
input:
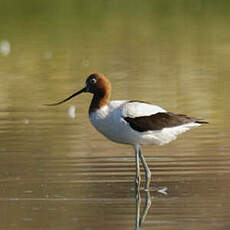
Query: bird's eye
column 92, row 81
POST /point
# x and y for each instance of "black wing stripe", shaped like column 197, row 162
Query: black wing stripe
column 159, row 121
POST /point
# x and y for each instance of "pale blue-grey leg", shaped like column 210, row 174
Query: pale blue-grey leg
column 140, row 217
column 146, row 208
column 138, row 175
column 138, row 208
column 147, row 171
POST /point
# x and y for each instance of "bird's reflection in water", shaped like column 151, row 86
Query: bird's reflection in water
column 140, row 215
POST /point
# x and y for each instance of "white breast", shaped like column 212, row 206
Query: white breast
column 108, row 121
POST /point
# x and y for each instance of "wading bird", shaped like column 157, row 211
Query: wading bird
column 132, row 122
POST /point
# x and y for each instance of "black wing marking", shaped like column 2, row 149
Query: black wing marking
column 160, row 120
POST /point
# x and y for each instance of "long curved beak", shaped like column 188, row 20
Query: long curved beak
column 68, row 98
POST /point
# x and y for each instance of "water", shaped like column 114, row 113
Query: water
column 56, row 171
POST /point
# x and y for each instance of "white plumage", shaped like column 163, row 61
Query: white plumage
column 109, row 120
column 136, row 109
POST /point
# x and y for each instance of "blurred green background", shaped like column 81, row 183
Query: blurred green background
column 172, row 53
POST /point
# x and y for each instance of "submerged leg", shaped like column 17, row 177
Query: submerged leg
column 138, row 208
column 138, row 175
column 140, row 217
column 146, row 207
column 147, row 171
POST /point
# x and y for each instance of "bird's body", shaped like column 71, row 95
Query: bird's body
column 113, row 120
column 135, row 123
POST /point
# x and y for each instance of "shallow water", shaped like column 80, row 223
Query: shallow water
column 56, row 171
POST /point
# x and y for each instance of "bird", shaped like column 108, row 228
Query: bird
column 133, row 122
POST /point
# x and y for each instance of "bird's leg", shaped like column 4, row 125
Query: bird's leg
column 138, row 175
column 146, row 207
column 147, row 171
column 140, row 217
column 138, row 208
